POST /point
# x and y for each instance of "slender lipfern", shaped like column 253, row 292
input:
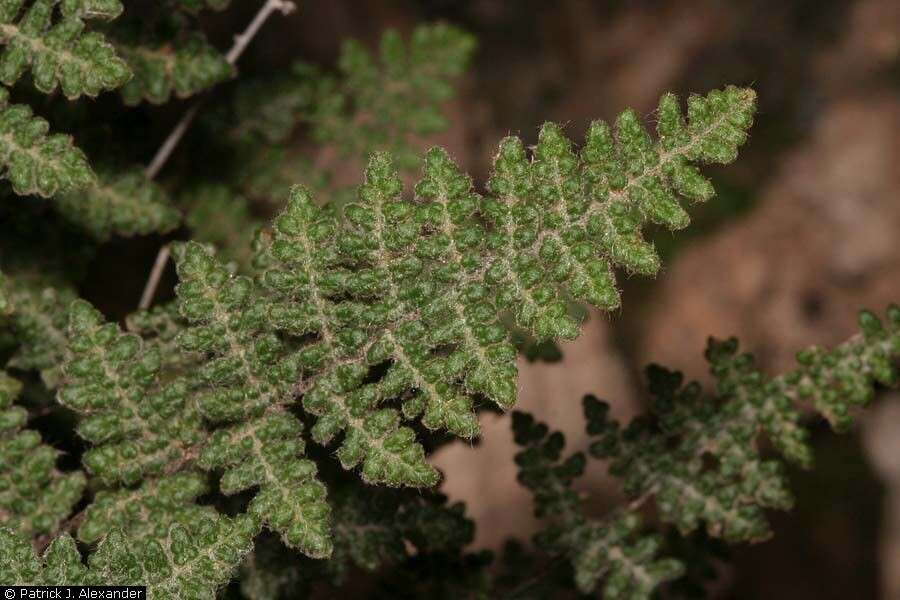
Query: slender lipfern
column 180, row 67
column 281, row 410
column 34, row 162
column 698, row 459
column 418, row 286
column 125, row 204
column 47, row 37
column 190, row 559
column 35, row 497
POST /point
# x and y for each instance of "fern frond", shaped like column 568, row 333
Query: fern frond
column 156, row 502
column 698, row 459
column 110, row 381
column 393, row 300
column 34, row 162
column 192, row 559
column 59, row 565
column 48, row 38
column 374, row 103
column 219, row 217
column 404, row 297
column 730, row 498
column 596, row 549
column 305, row 248
column 185, row 67
column 388, row 99
column 35, row 497
column 124, row 204
column 147, row 430
column 38, row 317
column 249, row 378
column 577, row 216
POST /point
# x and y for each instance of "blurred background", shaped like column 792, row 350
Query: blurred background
column 800, row 236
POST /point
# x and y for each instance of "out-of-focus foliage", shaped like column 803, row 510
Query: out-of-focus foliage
column 124, row 204
column 698, row 459
column 180, row 67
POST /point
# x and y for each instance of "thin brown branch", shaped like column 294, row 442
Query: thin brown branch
column 241, row 41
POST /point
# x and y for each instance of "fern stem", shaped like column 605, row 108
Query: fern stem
column 171, row 142
column 159, row 264
column 241, row 41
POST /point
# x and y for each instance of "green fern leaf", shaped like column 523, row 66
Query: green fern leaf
column 143, row 430
column 730, row 499
column 250, row 378
column 184, row 68
column 698, row 459
column 38, row 320
column 192, row 558
column 156, row 502
column 34, row 162
column 404, row 297
column 124, row 204
column 56, row 49
column 35, row 497
column 303, row 248
column 390, row 102
column 110, row 379
column 60, row 564
column 611, row 549
column 557, row 208
column 390, row 98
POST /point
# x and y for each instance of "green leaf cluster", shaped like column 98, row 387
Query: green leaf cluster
column 189, row 559
column 47, row 37
column 35, row 163
column 124, row 203
column 382, row 102
column 369, row 322
column 36, row 317
column 150, row 430
column 699, row 459
column 418, row 285
column 390, row 101
column 180, row 67
column 35, row 496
